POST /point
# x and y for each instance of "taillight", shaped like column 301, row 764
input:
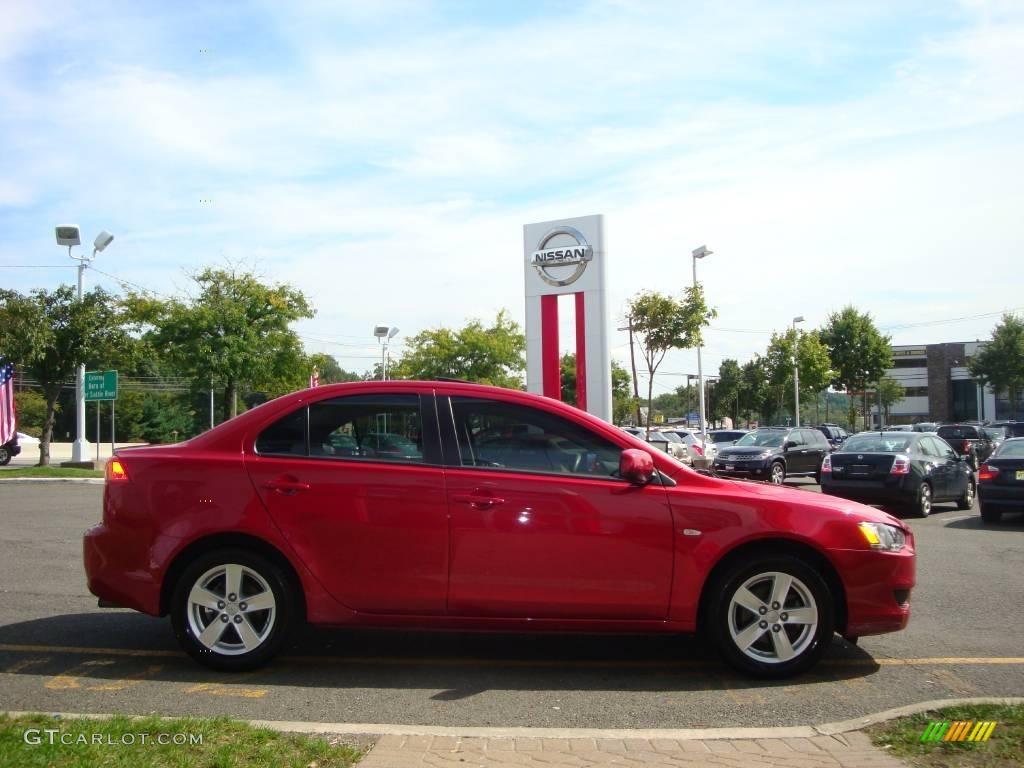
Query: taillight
column 826, row 465
column 116, row 472
column 966, row 446
column 900, row 466
column 699, row 450
column 988, row 472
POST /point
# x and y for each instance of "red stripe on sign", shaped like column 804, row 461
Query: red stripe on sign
column 552, row 370
column 581, row 353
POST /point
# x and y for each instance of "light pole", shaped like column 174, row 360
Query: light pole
column 700, row 253
column 796, row 371
column 69, row 235
column 384, row 334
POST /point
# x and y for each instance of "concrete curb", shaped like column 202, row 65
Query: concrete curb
column 84, row 480
column 681, row 734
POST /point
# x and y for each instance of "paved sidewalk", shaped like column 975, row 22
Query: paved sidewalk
column 850, row 750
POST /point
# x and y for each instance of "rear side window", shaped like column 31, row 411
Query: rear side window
column 285, row 437
column 498, row 435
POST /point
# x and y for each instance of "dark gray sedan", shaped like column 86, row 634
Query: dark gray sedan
column 1001, row 481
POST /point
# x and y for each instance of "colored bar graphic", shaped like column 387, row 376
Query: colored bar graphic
column 958, row 730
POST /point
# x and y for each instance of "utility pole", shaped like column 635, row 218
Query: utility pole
column 632, row 362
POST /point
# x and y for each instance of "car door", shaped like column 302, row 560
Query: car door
column 951, row 468
column 541, row 527
column 816, row 448
column 795, row 453
column 356, row 486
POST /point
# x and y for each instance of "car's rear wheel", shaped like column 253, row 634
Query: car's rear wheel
column 966, row 501
column 777, row 473
column 990, row 514
column 773, row 616
column 232, row 609
column 923, row 503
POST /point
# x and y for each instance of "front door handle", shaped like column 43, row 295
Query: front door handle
column 286, row 486
column 478, row 501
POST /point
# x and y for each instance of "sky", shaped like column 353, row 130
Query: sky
column 383, row 156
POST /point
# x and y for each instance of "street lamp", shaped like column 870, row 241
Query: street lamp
column 700, row 253
column 384, row 334
column 70, row 235
column 796, row 372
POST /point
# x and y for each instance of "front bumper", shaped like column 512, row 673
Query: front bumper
column 742, row 468
column 878, row 587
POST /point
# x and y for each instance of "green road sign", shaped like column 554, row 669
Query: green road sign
column 100, row 385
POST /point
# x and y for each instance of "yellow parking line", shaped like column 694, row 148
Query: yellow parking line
column 73, row 677
column 219, row 689
column 119, row 684
column 485, row 662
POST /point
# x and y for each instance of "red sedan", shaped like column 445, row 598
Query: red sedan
column 458, row 506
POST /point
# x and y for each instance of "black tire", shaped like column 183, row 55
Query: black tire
column 966, row 501
column 990, row 515
column 777, row 473
column 229, row 654
column 5, row 456
column 923, row 501
column 760, row 658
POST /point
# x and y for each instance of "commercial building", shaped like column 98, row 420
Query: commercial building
column 938, row 386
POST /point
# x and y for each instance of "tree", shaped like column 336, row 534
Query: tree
column 662, row 322
column 51, row 333
column 755, row 391
column 859, row 352
column 1000, row 363
column 235, row 331
column 890, row 392
column 727, row 390
column 488, row 355
column 31, row 409
column 329, row 370
column 622, row 400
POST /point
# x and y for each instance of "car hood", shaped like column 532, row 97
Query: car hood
column 853, row 509
column 744, row 451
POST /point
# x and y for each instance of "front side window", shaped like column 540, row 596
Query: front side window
column 499, row 435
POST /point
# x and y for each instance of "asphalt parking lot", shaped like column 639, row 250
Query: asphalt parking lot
column 59, row 652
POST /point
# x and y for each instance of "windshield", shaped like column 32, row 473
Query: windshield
column 877, row 443
column 994, row 433
column 765, row 439
column 1012, row 449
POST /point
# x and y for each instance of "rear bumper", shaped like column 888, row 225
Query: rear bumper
column 113, row 577
column 891, row 490
column 1011, row 497
column 878, row 587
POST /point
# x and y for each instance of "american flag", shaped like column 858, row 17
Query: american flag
column 6, row 402
column 314, row 378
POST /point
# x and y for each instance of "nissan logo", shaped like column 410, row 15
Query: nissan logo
column 577, row 255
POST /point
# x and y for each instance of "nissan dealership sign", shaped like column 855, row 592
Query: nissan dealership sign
column 546, row 260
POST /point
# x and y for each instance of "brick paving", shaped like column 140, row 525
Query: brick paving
column 850, row 750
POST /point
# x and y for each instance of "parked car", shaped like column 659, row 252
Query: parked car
column 774, row 453
column 670, row 444
column 925, row 426
column 242, row 533
column 899, row 428
column 835, row 434
column 9, row 450
column 1001, row 481
column 1013, row 428
column 967, row 440
column 724, row 437
column 901, row 468
column 695, row 446
column 997, row 435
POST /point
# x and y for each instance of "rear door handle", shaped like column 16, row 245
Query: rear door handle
column 477, row 501
column 285, row 486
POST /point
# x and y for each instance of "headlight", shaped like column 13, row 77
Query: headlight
column 885, row 538
column 764, row 455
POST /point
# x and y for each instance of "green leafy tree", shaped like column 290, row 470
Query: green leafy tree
column 755, row 391
column 234, row 331
column 859, row 352
column 50, row 333
column 330, row 371
column 1000, row 363
column 31, row 408
column 488, row 355
column 812, row 359
column 622, row 400
column 662, row 322
column 728, row 389
column 890, row 392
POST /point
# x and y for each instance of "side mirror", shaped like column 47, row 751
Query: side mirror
column 636, row 466
column 787, row 445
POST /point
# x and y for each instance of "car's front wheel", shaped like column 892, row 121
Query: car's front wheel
column 232, row 609
column 777, row 473
column 773, row 616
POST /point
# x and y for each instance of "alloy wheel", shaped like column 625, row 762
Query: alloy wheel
column 231, row 609
column 924, row 500
column 773, row 617
column 778, row 474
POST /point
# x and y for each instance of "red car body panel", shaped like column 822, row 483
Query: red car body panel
column 384, row 544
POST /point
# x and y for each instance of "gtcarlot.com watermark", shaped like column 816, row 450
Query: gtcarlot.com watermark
column 57, row 737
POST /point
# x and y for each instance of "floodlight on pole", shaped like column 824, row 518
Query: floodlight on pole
column 700, row 253
column 70, row 235
column 796, row 371
column 384, row 334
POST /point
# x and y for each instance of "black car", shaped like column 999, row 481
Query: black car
column 835, row 434
column 723, row 437
column 773, row 454
column 967, row 440
column 902, row 468
column 1012, row 428
column 1001, row 481
column 9, row 450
